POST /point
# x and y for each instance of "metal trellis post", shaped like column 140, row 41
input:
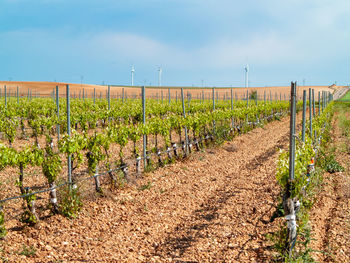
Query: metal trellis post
column 94, row 95
column 319, row 103
column 304, row 116
column 184, row 114
column 313, row 103
column 144, row 122
column 69, row 134
column 232, row 121
column 109, row 102
column 58, row 113
column 310, row 112
column 291, row 217
column 5, row 96
column 292, row 132
column 169, row 95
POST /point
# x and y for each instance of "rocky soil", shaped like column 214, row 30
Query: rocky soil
column 330, row 218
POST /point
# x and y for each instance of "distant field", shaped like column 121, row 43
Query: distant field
column 76, row 90
column 346, row 97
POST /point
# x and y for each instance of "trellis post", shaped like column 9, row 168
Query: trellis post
column 144, row 123
column 58, row 113
column 69, row 134
column 304, row 116
column 184, row 115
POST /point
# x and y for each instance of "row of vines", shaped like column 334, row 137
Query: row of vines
column 107, row 138
column 299, row 193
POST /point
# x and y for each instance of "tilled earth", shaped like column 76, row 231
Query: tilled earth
column 213, row 207
column 330, row 218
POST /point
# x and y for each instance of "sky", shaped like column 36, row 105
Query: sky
column 195, row 42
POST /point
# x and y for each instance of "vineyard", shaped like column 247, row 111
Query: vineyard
column 58, row 151
column 90, row 138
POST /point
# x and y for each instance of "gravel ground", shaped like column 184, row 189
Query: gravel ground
column 213, row 207
column 330, row 218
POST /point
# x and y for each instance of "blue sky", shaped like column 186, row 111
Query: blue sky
column 192, row 40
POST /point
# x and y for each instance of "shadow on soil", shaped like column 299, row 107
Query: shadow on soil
column 189, row 232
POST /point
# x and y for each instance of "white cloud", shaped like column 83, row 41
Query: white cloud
column 258, row 49
column 125, row 44
column 225, row 52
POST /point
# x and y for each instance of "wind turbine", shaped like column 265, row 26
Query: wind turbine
column 246, row 69
column 159, row 76
column 132, row 75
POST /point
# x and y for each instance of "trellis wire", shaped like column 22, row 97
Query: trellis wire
column 70, row 183
column 61, row 185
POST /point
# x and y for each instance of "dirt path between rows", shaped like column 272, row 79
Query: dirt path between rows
column 213, row 207
column 330, row 218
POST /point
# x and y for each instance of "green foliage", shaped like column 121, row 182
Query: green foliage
column 120, row 181
column 279, row 241
column 71, row 202
column 7, row 156
column 120, row 125
column 135, row 135
column 51, row 167
column 9, row 126
column 304, row 186
column 220, row 134
column 344, row 124
column 305, row 238
column 28, row 155
column 28, row 251
column 303, row 155
column 253, row 95
column 27, row 216
column 146, row 186
column 303, row 253
column 73, row 145
column 329, row 163
column 346, row 97
column 52, row 163
column 3, row 231
column 120, row 135
column 95, row 154
column 150, row 167
column 278, row 212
